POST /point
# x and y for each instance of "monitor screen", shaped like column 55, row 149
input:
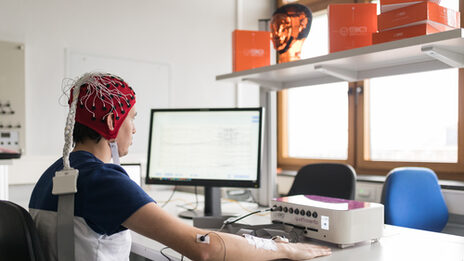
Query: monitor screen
column 134, row 170
column 205, row 147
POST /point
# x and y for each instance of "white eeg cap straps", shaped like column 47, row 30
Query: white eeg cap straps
column 114, row 152
column 69, row 128
column 65, row 186
column 65, row 181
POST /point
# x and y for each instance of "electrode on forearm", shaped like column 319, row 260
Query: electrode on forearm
column 280, row 239
column 203, row 239
column 263, row 243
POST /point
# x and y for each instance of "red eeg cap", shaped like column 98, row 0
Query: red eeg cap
column 102, row 95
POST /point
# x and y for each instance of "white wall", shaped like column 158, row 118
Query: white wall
column 192, row 37
column 247, row 94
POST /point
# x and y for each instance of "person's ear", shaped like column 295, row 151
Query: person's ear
column 110, row 122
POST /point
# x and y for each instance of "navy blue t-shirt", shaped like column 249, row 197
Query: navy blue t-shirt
column 105, row 197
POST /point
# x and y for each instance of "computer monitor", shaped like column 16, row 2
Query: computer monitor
column 205, row 147
column 134, row 170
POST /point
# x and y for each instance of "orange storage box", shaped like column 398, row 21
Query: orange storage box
column 251, row 49
column 418, row 13
column 408, row 31
column 351, row 25
column 389, row 5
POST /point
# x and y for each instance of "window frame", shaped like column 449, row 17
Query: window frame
column 291, row 163
column 454, row 171
column 358, row 133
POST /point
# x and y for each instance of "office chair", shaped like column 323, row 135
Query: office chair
column 412, row 198
column 325, row 179
column 18, row 236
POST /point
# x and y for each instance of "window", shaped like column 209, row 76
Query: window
column 374, row 125
column 318, row 122
column 416, row 120
column 309, row 132
column 317, row 118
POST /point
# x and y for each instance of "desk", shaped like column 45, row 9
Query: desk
column 397, row 243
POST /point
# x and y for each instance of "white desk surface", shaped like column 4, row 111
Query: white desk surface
column 397, row 243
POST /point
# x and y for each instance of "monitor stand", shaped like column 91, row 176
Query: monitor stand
column 211, row 217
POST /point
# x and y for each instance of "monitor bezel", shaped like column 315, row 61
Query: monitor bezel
column 207, row 182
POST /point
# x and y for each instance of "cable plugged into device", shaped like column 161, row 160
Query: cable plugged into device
column 233, row 220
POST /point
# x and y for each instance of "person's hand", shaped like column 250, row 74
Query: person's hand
column 303, row 251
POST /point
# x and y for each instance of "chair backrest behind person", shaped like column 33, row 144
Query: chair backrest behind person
column 325, row 179
column 412, row 198
column 18, row 236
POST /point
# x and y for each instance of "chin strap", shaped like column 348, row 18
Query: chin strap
column 114, row 152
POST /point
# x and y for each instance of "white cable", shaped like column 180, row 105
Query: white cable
column 68, row 130
column 114, row 152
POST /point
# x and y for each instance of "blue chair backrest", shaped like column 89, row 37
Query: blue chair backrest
column 413, row 198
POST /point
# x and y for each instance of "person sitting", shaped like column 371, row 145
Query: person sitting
column 108, row 202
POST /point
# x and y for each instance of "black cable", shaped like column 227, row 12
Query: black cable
column 161, row 251
column 227, row 222
column 170, row 197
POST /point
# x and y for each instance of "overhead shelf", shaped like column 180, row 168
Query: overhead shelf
column 424, row 53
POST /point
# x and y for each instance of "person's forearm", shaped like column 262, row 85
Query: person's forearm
column 235, row 247
column 239, row 248
column 153, row 222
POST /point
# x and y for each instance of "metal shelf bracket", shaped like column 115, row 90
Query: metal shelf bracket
column 346, row 75
column 444, row 55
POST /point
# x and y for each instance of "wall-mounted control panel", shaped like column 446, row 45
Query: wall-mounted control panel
column 12, row 100
column 9, row 144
